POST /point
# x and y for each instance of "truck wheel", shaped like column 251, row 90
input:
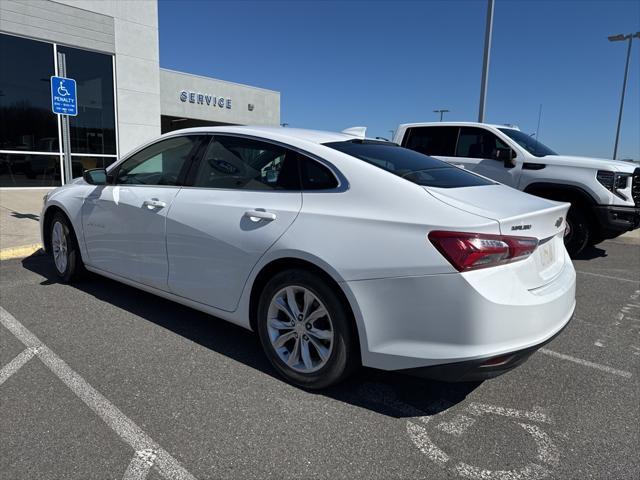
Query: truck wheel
column 578, row 231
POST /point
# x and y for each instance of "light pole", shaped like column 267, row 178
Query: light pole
column 441, row 111
column 618, row 38
column 485, row 62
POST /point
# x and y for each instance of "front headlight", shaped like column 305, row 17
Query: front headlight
column 614, row 182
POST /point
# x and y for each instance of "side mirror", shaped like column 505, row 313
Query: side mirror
column 506, row 155
column 95, row 176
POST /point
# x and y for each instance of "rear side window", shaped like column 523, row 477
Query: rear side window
column 410, row 165
column 246, row 164
column 432, row 140
column 316, row 176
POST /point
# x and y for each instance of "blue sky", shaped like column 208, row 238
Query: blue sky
column 378, row 63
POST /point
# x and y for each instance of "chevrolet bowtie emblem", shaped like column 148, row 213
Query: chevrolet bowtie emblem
column 559, row 222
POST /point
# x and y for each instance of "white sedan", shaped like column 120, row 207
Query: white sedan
column 337, row 250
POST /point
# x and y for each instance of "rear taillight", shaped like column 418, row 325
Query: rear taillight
column 470, row 251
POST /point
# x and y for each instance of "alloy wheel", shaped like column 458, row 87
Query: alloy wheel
column 59, row 247
column 300, row 329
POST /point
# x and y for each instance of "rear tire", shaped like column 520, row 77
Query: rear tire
column 65, row 252
column 306, row 330
column 580, row 231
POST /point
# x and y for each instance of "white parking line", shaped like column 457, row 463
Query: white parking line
column 128, row 431
column 14, row 365
column 536, row 415
column 609, row 277
column 586, row 363
column 140, row 465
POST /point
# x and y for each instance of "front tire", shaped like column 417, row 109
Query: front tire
column 306, row 330
column 580, row 231
column 64, row 250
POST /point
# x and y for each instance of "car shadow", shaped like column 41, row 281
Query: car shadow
column 591, row 252
column 387, row 393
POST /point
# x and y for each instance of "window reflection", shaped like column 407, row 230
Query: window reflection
column 80, row 164
column 29, row 170
column 93, row 129
column 26, row 120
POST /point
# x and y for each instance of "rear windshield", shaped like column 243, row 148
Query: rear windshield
column 410, row 165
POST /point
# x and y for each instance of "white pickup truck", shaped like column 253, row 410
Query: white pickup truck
column 604, row 194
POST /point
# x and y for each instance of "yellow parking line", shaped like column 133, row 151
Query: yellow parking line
column 19, row 252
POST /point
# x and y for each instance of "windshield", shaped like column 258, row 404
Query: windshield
column 530, row 144
column 412, row 166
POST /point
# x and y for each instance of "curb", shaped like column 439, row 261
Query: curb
column 19, row 252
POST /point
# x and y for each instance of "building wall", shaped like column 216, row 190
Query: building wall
column 137, row 66
column 265, row 103
column 57, row 23
column 128, row 28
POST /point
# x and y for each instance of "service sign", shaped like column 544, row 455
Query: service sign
column 64, row 100
column 204, row 99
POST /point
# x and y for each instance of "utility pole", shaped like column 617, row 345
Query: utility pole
column 441, row 111
column 485, row 63
column 538, row 127
column 619, row 38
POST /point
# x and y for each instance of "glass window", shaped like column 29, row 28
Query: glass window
column 162, row 163
column 242, row 163
column 80, row 164
column 410, row 165
column 93, row 129
column 29, row 170
column 478, row 143
column 527, row 142
column 432, row 140
column 315, row 176
column 26, row 120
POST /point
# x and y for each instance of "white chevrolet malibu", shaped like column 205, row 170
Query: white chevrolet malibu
column 338, row 251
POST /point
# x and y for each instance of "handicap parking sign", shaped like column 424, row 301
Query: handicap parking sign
column 63, row 96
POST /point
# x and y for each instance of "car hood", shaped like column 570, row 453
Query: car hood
column 589, row 162
column 516, row 212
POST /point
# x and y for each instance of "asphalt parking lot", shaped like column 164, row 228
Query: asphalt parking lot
column 100, row 380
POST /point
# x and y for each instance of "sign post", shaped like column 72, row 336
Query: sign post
column 64, row 102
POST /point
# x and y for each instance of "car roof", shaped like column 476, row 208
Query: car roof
column 275, row 133
column 457, row 124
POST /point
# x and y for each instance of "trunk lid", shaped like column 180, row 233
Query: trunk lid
column 522, row 215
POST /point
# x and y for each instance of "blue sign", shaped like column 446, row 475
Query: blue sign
column 64, row 100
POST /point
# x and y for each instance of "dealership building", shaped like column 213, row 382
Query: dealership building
column 124, row 98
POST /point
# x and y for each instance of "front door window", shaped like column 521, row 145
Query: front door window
column 478, row 143
column 163, row 163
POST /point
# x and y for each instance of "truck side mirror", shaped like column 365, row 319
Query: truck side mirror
column 506, row 155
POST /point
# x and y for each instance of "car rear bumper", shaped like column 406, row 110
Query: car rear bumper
column 416, row 322
column 617, row 219
column 479, row 369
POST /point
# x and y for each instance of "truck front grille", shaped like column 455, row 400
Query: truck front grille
column 635, row 187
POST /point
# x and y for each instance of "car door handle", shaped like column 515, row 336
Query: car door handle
column 257, row 215
column 154, row 203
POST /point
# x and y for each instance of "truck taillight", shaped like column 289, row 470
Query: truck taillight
column 471, row 251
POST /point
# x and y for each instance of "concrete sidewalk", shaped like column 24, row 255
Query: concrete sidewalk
column 20, row 222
